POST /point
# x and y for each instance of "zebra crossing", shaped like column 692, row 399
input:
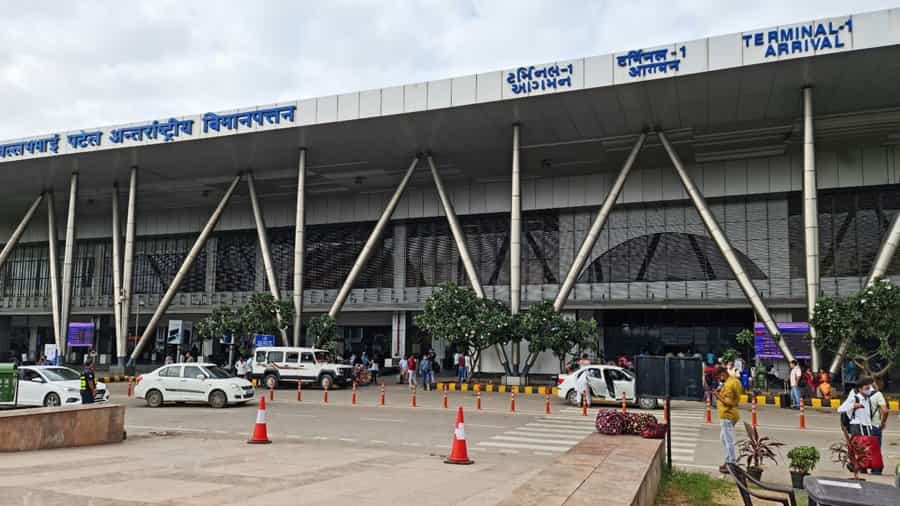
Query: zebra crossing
column 555, row 434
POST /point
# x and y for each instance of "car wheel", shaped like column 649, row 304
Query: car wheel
column 572, row 397
column 647, row 403
column 326, row 381
column 217, row 399
column 271, row 381
column 52, row 400
column 154, row 398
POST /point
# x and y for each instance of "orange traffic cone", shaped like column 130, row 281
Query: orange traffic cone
column 130, row 388
column 381, row 401
column 459, row 454
column 260, row 434
column 802, row 415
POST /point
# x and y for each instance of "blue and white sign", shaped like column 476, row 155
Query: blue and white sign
column 263, row 340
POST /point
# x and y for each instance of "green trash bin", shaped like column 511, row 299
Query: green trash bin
column 9, row 383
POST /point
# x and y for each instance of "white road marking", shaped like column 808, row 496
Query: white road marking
column 570, row 441
column 378, row 442
column 347, row 439
column 524, row 446
column 543, row 430
column 388, row 420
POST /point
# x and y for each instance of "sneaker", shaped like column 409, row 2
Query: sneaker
column 723, row 469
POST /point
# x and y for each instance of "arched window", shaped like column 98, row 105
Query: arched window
column 665, row 256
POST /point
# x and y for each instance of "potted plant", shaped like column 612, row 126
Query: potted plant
column 803, row 461
column 755, row 450
column 852, row 454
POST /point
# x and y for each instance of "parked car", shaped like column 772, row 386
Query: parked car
column 600, row 378
column 193, row 382
column 276, row 364
column 51, row 385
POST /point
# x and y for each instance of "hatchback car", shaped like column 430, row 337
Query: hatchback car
column 193, row 382
column 51, row 385
column 607, row 383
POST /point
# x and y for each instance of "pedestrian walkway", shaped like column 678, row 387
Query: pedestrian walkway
column 547, row 435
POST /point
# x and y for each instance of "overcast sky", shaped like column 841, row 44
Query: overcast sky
column 68, row 65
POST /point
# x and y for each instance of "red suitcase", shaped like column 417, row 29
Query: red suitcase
column 875, row 460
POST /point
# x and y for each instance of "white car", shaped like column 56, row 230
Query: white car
column 600, row 379
column 287, row 364
column 193, row 382
column 51, row 385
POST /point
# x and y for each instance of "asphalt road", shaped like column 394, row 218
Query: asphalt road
column 528, row 433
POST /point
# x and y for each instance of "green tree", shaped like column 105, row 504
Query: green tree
column 457, row 316
column 547, row 330
column 323, row 331
column 263, row 314
column 870, row 320
column 224, row 321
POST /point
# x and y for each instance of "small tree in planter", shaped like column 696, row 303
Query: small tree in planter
column 803, row 461
column 852, row 454
column 755, row 450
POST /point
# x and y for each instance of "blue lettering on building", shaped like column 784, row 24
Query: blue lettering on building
column 640, row 62
column 800, row 38
column 30, row 146
column 528, row 79
column 152, row 131
column 260, row 117
column 85, row 139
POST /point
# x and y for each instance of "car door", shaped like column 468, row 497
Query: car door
column 622, row 382
column 31, row 388
column 595, row 380
column 169, row 379
column 307, row 366
column 193, row 384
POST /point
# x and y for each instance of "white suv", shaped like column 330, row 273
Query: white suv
column 275, row 364
column 192, row 382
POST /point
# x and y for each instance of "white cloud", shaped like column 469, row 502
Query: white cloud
column 82, row 64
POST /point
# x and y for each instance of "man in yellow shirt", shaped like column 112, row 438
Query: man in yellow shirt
column 729, row 394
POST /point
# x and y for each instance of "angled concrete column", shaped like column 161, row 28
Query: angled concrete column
column 68, row 253
column 117, row 276
column 725, row 248
column 458, row 236
column 150, row 330
column 588, row 245
column 128, row 260
column 810, row 220
column 299, row 246
column 373, row 239
column 264, row 249
column 879, row 268
column 20, row 229
column 53, row 262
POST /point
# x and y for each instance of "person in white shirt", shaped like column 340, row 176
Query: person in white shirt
column 240, row 367
column 859, row 409
column 796, row 373
column 404, row 369
column 879, row 412
column 581, row 387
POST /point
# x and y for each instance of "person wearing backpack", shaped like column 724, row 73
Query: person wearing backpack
column 858, row 422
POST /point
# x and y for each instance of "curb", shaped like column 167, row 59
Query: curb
column 490, row 387
column 775, row 400
column 115, row 379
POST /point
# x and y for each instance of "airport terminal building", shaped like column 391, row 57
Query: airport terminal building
column 676, row 194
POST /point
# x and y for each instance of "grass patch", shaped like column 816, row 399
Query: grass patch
column 689, row 488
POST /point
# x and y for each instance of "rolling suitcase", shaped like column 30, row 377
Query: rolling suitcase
column 875, row 459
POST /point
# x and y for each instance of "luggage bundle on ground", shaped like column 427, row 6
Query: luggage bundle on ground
column 613, row 422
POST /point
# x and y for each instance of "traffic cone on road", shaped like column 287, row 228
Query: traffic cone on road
column 547, row 404
column 802, row 415
column 459, row 453
column 353, row 398
column 445, row 396
column 260, row 435
column 624, row 404
column 381, row 400
column 708, row 409
column 299, row 391
column 130, row 388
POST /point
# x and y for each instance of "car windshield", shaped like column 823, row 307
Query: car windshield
column 218, row 372
column 323, row 356
column 60, row 374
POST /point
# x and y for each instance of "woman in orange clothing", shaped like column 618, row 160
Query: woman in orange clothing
column 823, row 391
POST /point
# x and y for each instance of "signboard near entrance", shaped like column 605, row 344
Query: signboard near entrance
column 80, row 335
column 263, row 340
column 795, row 335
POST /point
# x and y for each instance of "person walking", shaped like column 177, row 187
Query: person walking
column 858, row 408
column 411, row 367
column 88, row 387
column 728, row 396
column 373, row 371
column 426, row 371
column 796, row 375
column 456, row 363
column 879, row 413
column 240, row 367
column 404, row 370
column 461, row 372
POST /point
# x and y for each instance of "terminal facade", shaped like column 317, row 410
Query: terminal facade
column 675, row 194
